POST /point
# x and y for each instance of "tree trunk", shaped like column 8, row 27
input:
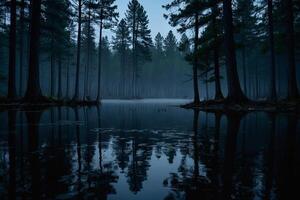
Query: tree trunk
column 86, row 92
column 33, row 92
column 76, row 94
column 218, row 90
column 67, row 80
column 59, row 89
column 235, row 93
column 292, row 80
column 244, row 70
column 273, row 95
column 52, row 66
column 21, row 58
column 11, row 95
column 195, row 64
column 99, row 62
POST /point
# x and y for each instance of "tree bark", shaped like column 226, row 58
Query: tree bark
column 235, row 93
column 59, row 89
column 21, row 58
column 218, row 90
column 99, row 61
column 33, row 92
column 76, row 94
column 293, row 92
column 195, row 64
column 11, row 95
column 273, row 93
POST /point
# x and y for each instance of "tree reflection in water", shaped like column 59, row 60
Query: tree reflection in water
column 142, row 152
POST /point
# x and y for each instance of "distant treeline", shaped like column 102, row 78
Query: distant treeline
column 241, row 49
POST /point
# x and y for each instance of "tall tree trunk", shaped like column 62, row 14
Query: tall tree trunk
column 67, row 80
column 59, row 89
column 244, row 70
column 86, row 92
column 99, row 61
column 12, row 94
column 52, row 67
column 21, row 58
column 195, row 64
column 33, row 92
column 134, row 62
column 235, row 93
column 273, row 94
column 293, row 92
column 76, row 94
column 218, row 90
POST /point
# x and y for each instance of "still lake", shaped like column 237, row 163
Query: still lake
column 148, row 150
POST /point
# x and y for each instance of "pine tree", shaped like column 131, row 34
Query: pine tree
column 56, row 38
column 33, row 91
column 159, row 44
column 88, row 43
column 187, row 16
column 245, row 26
column 170, row 44
column 121, row 43
column 185, row 45
column 107, row 16
column 137, row 20
column 235, row 93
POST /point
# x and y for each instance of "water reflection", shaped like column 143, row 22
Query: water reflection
column 147, row 151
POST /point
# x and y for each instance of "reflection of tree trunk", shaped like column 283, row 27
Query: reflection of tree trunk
column 233, row 127
column 78, row 152
column 216, row 146
column 269, row 158
column 99, row 138
column 12, row 153
column 288, row 181
column 195, row 144
column 33, row 120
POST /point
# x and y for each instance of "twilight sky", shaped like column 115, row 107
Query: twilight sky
column 155, row 13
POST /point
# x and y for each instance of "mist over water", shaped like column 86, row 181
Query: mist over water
column 147, row 149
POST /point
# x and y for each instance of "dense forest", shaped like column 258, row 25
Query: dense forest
column 59, row 50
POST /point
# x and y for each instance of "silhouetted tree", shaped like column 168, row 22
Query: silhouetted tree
column 33, row 92
column 107, row 16
column 293, row 92
column 273, row 93
column 121, row 43
column 12, row 91
column 137, row 20
column 188, row 18
column 235, row 93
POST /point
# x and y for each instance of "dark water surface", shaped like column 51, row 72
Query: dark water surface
column 147, row 150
